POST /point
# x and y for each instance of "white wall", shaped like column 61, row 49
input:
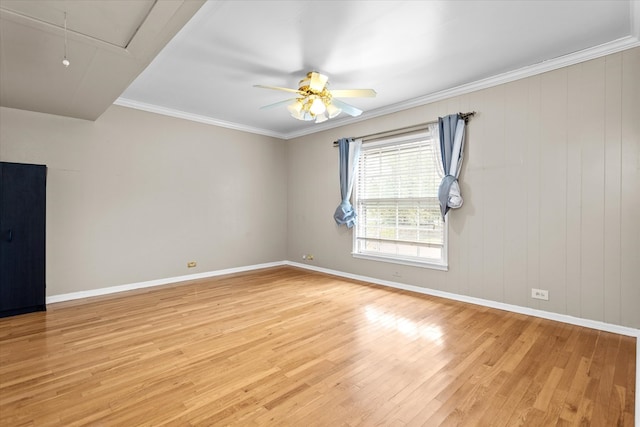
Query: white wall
column 551, row 182
column 133, row 196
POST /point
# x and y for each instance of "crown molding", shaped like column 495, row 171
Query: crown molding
column 615, row 46
column 609, row 48
column 151, row 108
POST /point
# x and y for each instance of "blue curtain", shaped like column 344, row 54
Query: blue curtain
column 349, row 151
column 451, row 130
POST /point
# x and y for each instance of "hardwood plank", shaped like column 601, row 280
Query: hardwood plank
column 285, row 346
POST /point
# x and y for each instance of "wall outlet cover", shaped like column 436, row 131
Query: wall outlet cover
column 542, row 294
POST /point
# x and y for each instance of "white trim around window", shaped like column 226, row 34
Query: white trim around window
column 396, row 199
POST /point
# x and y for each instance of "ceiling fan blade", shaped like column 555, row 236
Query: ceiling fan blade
column 277, row 104
column 349, row 109
column 318, row 81
column 353, row 93
column 286, row 89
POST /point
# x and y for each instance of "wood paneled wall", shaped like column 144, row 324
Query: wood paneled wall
column 554, row 194
column 551, row 182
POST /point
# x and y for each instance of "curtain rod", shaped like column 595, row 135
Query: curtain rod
column 407, row 129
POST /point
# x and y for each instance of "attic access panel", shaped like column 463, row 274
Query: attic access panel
column 111, row 21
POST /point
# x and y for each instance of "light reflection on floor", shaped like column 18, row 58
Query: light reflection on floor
column 405, row 326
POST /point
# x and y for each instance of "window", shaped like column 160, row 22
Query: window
column 396, row 198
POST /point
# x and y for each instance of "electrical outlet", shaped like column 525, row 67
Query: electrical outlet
column 191, row 264
column 542, row 294
column 307, row 257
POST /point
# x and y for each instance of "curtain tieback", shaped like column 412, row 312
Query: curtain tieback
column 449, row 194
column 345, row 214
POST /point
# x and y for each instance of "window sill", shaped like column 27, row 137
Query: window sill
column 403, row 261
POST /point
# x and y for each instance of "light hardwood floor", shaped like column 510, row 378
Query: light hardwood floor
column 290, row 347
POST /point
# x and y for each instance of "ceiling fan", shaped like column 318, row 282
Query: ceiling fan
column 316, row 102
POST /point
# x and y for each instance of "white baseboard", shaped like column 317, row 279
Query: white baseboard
column 594, row 324
column 607, row 327
column 158, row 282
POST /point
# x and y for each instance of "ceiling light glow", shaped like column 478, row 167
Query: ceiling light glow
column 314, row 102
column 317, row 106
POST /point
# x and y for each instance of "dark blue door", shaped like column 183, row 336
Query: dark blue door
column 22, row 238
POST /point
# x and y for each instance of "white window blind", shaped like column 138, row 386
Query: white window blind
column 396, row 200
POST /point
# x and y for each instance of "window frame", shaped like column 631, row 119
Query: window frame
column 430, row 263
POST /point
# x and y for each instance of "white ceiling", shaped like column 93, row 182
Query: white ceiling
column 410, row 52
column 109, row 42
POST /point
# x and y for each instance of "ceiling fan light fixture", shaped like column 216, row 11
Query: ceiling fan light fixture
column 300, row 116
column 299, row 110
column 317, row 106
column 295, row 108
column 315, row 101
column 321, row 118
column 333, row 111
